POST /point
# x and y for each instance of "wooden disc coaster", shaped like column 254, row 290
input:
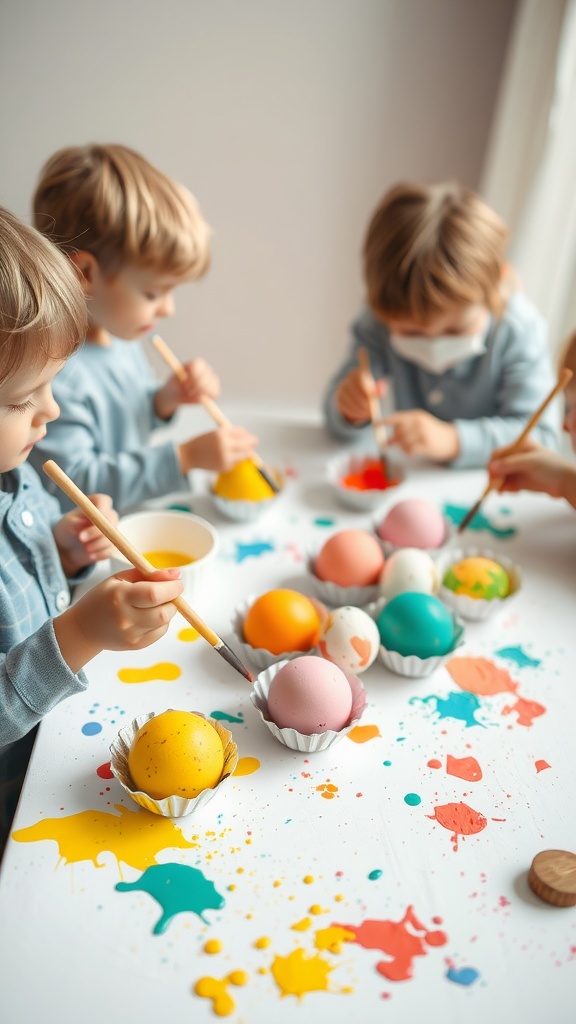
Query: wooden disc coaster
column 552, row 877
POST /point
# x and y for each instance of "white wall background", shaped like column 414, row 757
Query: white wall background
column 287, row 118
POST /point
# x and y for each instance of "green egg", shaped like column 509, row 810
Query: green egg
column 417, row 624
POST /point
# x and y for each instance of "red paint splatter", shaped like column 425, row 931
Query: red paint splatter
column 104, row 772
column 527, row 710
column 434, row 763
column 461, row 819
column 480, row 676
column 464, row 768
column 541, row 766
column 395, row 939
column 369, row 477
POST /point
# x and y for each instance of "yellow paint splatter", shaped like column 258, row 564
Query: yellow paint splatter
column 133, row 837
column 302, row 926
column 332, row 938
column 246, row 766
column 308, row 879
column 363, row 733
column 317, row 909
column 262, row 943
column 262, row 970
column 277, row 883
column 217, row 990
column 188, row 635
column 339, row 897
column 165, row 671
column 213, row 946
column 299, row 973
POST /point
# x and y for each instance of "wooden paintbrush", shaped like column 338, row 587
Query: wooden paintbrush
column 494, row 484
column 375, row 414
column 210, row 405
column 137, row 559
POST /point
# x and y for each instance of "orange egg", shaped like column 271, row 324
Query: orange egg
column 281, row 621
column 176, row 753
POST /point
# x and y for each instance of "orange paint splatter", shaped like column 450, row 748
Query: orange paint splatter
column 461, row 819
column 480, row 676
column 363, row 649
column 246, row 766
column 541, row 766
column 464, row 768
column 396, row 940
column 164, row 671
column 327, row 790
column 363, row 733
column 434, row 763
column 527, row 710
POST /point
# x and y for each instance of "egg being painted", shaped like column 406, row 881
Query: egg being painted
column 350, row 639
column 413, row 523
column 243, row 483
column 350, row 558
column 409, row 569
column 419, row 624
column 281, row 621
column 176, row 753
column 310, row 695
column 479, row 578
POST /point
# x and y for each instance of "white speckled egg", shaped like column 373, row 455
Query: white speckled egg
column 350, row 639
column 409, row 569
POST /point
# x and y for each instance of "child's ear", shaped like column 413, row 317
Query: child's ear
column 87, row 267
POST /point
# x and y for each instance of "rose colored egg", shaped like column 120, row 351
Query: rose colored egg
column 350, row 639
column 350, row 558
column 409, row 569
column 310, row 695
column 413, row 523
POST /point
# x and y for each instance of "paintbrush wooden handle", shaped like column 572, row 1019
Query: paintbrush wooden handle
column 564, row 377
column 123, row 544
column 169, row 357
column 379, row 428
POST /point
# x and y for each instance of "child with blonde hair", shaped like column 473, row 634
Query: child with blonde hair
column 464, row 356
column 533, row 468
column 44, row 643
column 133, row 235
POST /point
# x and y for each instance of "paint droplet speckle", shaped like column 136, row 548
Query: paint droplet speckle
column 377, row 873
column 213, row 946
column 91, row 728
column 412, row 799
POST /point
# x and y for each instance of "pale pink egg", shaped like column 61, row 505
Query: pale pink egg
column 413, row 523
column 350, row 558
column 310, row 695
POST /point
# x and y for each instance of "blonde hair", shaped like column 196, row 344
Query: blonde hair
column 567, row 356
column 42, row 305
column 431, row 247
column 109, row 201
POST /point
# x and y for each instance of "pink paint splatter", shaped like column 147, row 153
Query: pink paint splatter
column 395, row 939
column 464, row 768
column 481, row 676
column 527, row 710
column 461, row 819
column 434, row 763
column 541, row 766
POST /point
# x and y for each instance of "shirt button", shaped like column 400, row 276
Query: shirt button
column 62, row 600
column 436, row 396
column 27, row 517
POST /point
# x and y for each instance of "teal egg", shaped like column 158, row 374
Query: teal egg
column 418, row 624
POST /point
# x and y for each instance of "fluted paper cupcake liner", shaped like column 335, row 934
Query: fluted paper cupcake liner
column 259, row 656
column 472, row 608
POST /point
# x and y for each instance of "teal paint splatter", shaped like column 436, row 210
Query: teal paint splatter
column 324, row 521
column 412, row 799
column 222, row 716
column 462, row 975
column 461, row 706
column 180, row 508
column 177, row 888
column 456, row 513
column 386, row 763
column 377, row 873
column 254, row 550
column 517, row 655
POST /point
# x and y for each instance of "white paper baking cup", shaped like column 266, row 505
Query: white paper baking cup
column 359, row 501
column 291, row 737
column 170, row 806
column 335, row 595
column 472, row 608
column 259, row 656
column 435, row 553
column 246, row 511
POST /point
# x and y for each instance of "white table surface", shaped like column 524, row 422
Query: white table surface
column 73, row 948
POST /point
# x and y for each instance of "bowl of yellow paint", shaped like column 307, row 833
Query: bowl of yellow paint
column 171, row 540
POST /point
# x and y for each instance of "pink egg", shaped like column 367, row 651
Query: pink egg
column 413, row 523
column 310, row 695
column 350, row 558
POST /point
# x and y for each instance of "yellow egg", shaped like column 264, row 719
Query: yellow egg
column 176, row 753
column 479, row 578
column 243, row 483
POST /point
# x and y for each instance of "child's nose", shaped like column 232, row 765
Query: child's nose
column 166, row 305
column 48, row 410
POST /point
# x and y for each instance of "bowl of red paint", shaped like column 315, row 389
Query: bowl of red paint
column 360, row 481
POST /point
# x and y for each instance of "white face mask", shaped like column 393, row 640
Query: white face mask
column 438, row 354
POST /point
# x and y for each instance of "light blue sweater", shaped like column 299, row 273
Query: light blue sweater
column 488, row 398
column 101, row 439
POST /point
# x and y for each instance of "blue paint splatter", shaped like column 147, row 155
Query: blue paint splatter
column 462, row 975
column 412, row 799
column 176, row 887
column 222, row 716
column 377, row 873
column 461, row 706
column 517, row 655
column 91, row 728
column 455, row 513
column 254, row 550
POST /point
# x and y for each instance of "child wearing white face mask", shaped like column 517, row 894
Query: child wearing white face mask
column 464, row 356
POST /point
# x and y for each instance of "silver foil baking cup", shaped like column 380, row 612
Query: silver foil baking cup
column 259, row 656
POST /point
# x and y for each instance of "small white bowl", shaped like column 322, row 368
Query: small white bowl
column 472, row 608
column 170, row 806
column 335, row 595
column 182, row 532
column 360, row 501
column 291, row 737
column 259, row 656
column 411, row 665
